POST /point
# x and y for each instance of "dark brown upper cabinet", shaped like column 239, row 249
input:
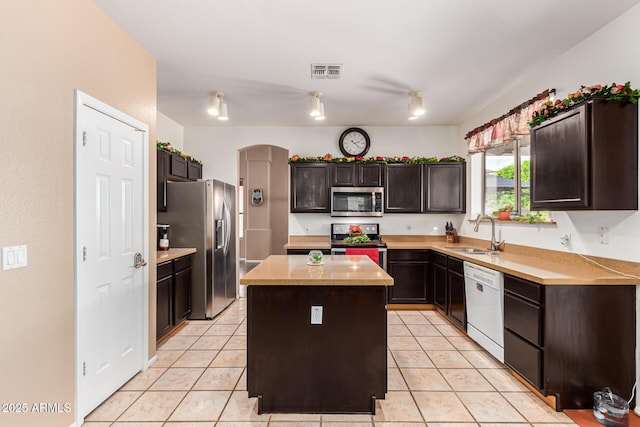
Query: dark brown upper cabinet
column 445, row 187
column 178, row 167
column 310, row 187
column 403, row 188
column 586, row 158
column 356, row 175
column 163, row 158
column 343, row 174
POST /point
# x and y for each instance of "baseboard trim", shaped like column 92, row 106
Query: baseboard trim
column 400, row 307
column 549, row 400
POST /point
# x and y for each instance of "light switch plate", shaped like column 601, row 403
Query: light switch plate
column 316, row 315
column 14, row 257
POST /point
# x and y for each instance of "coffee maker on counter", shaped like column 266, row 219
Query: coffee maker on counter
column 163, row 237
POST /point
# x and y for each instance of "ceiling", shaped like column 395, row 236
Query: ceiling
column 460, row 54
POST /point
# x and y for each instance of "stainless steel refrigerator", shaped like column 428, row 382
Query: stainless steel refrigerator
column 202, row 216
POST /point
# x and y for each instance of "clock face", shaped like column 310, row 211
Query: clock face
column 354, row 142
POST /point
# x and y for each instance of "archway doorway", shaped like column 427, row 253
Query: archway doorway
column 264, row 223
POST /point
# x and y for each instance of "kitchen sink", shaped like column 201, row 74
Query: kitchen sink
column 475, row 251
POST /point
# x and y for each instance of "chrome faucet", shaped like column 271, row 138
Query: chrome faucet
column 495, row 246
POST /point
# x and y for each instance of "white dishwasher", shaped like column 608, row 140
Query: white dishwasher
column 484, row 290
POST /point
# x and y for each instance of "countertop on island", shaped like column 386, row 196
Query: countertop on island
column 173, row 253
column 337, row 270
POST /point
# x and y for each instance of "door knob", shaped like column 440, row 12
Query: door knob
column 138, row 261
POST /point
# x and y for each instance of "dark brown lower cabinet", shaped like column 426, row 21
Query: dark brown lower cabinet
column 439, row 279
column 173, row 294
column 164, row 321
column 410, row 270
column 571, row 340
column 455, row 292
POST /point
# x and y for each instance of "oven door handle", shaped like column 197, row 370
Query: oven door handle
column 338, row 251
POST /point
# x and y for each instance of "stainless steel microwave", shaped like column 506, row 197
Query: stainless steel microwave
column 357, row 201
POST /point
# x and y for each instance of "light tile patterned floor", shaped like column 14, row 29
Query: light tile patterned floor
column 438, row 377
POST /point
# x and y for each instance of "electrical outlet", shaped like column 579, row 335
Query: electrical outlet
column 565, row 240
column 603, row 235
column 316, row 315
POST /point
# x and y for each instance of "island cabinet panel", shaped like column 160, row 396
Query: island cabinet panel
column 445, row 187
column 586, row 158
column 310, row 187
column 410, row 270
column 343, row 174
column 403, row 188
column 334, row 367
column 571, row 340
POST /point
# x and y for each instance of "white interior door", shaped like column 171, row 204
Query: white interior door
column 111, row 238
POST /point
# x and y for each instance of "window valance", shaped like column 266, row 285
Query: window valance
column 506, row 128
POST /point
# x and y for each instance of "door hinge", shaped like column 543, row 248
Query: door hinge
column 84, row 138
column 84, row 369
column 84, row 253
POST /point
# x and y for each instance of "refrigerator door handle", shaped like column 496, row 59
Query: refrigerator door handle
column 227, row 220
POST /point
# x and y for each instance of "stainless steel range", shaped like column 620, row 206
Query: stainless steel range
column 339, row 247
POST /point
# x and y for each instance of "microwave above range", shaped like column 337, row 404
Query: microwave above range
column 357, row 201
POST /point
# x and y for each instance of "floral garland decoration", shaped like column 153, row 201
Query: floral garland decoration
column 167, row 147
column 614, row 92
column 328, row 158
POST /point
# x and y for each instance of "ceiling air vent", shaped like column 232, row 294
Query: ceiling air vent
column 326, row 71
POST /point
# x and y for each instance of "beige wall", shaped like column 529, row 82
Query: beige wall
column 266, row 226
column 48, row 49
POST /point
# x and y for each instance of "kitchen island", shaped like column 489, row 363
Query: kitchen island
column 317, row 335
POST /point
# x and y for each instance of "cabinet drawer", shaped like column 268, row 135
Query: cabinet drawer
column 182, row 263
column 455, row 264
column 524, row 358
column 164, row 269
column 408, row 255
column 524, row 288
column 523, row 318
column 438, row 258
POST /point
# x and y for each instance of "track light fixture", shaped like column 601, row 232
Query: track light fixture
column 214, row 103
column 321, row 115
column 217, row 106
column 416, row 107
column 316, row 109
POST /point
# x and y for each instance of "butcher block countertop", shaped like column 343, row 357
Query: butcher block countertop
column 542, row 266
column 173, row 253
column 337, row 270
column 308, row 242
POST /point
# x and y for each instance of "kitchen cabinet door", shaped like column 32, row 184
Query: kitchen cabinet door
column 369, row 175
column 343, row 174
column 439, row 280
column 310, row 187
column 445, row 187
column 403, row 188
column 164, row 318
column 182, row 289
column 194, row 171
column 411, row 279
column 586, row 158
column 178, row 166
column 456, row 300
column 163, row 158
